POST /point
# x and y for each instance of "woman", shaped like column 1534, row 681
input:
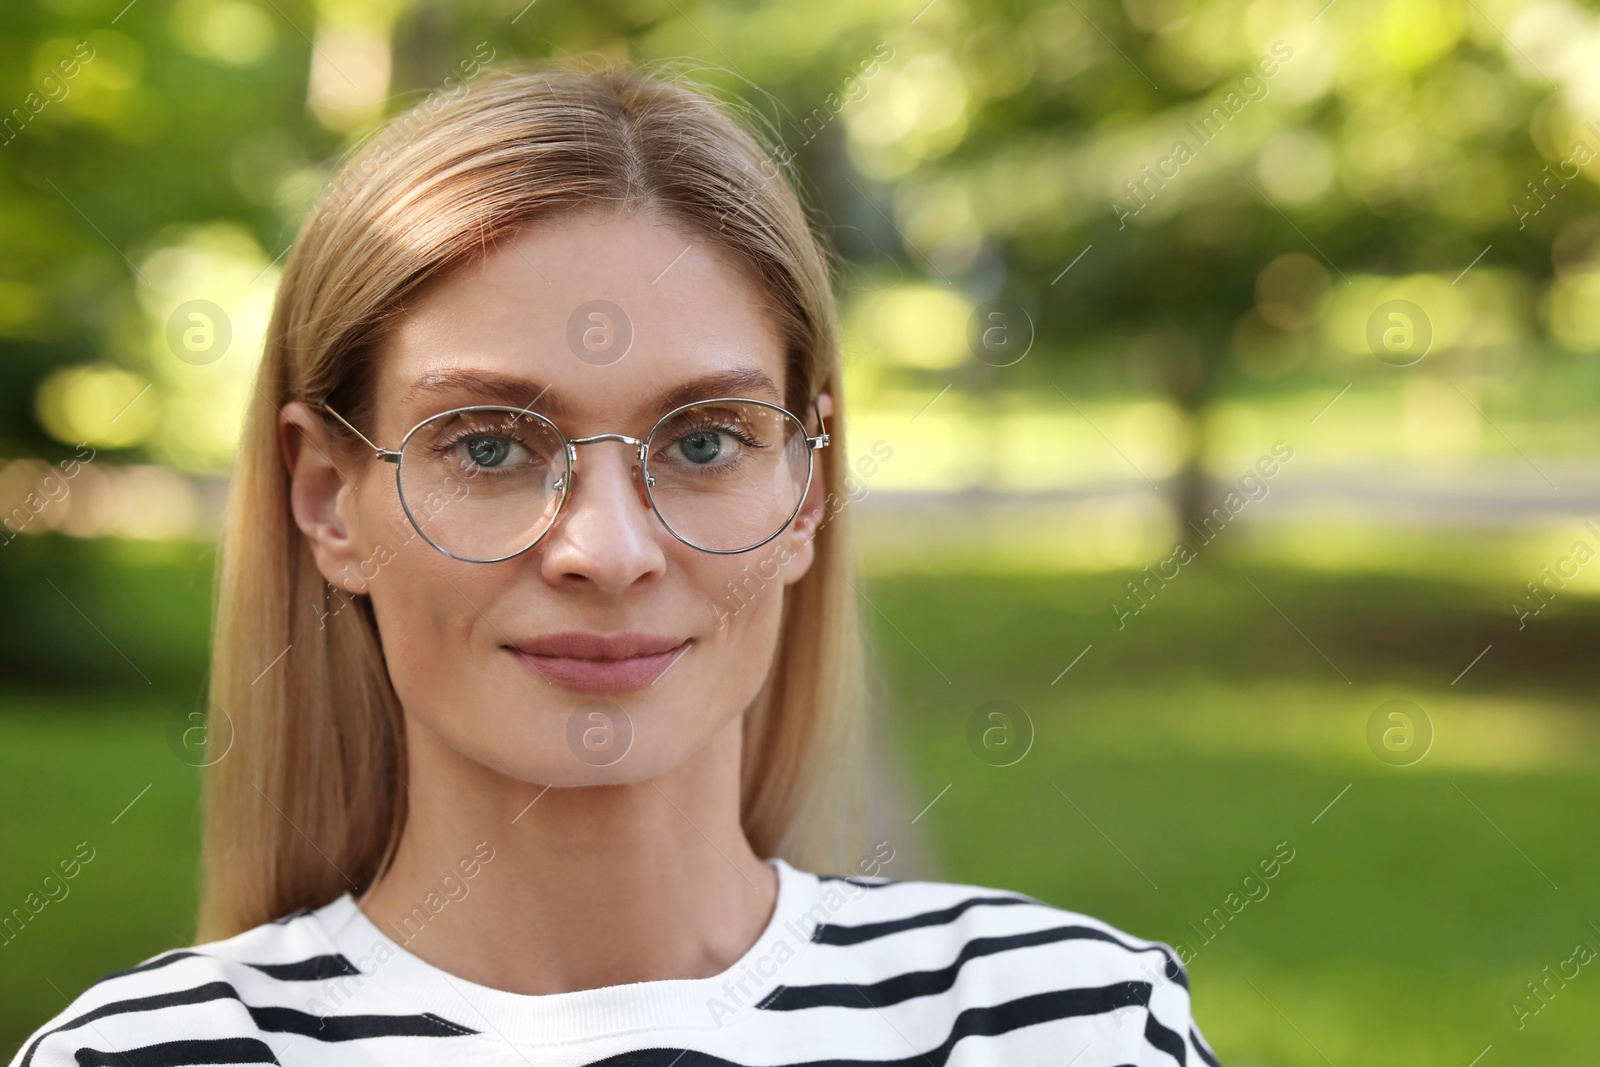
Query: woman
column 536, row 649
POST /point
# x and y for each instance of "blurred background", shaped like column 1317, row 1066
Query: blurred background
column 1237, row 363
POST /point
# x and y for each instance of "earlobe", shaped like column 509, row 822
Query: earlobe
column 321, row 497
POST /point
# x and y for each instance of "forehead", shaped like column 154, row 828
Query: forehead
column 594, row 315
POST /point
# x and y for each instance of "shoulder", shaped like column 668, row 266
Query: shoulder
column 1012, row 956
column 874, row 908
column 239, row 1000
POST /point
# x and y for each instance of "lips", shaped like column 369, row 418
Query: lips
column 592, row 662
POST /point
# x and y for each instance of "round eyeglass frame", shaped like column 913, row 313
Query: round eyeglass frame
column 570, row 451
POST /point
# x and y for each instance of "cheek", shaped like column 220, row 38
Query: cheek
column 737, row 585
column 750, row 632
column 738, row 636
column 424, row 603
column 423, row 622
column 440, row 623
column 742, row 648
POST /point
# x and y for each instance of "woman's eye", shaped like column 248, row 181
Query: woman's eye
column 488, row 451
column 704, row 446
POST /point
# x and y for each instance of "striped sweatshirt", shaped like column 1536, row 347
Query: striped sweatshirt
column 848, row 971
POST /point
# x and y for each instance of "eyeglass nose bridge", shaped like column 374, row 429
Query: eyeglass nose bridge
column 641, row 484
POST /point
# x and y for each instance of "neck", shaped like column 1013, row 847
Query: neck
column 537, row 890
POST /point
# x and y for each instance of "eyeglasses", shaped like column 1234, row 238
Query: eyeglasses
column 484, row 483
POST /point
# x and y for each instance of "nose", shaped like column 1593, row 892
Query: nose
column 606, row 531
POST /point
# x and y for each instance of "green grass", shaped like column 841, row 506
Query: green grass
column 1171, row 759
column 69, row 769
column 1174, row 756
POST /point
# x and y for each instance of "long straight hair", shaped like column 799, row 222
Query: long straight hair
column 309, row 800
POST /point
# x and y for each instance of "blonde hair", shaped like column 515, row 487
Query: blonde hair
column 309, row 802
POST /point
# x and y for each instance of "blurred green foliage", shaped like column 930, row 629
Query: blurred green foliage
column 1200, row 197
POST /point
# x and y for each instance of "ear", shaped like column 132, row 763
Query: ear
column 321, row 495
column 802, row 533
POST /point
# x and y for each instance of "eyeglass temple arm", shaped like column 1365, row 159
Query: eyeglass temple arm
column 382, row 453
column 819, row 441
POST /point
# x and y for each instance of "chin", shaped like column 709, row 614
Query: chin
column 580, row 739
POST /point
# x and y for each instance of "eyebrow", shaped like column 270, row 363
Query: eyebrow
column 516, row 391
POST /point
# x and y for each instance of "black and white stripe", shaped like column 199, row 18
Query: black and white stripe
column 265, row 1018
column 850, row 972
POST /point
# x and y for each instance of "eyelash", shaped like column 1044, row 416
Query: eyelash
column 721, row 427
column 704, row 424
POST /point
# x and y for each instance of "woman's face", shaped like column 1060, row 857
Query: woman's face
column 455, row 635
